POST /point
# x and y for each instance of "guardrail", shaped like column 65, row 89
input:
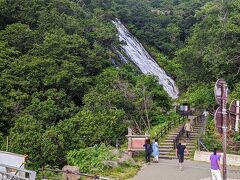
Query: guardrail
column 200, row 144
column 13, row 173
column 177, row 138
column 166, row 128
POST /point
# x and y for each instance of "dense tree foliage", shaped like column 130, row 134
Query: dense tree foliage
column 198, row 39
column 59, row 89
column 212, row 51
column 163, row 24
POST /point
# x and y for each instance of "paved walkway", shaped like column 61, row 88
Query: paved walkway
column 169, row 170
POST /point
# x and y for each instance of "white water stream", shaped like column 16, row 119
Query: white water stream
column 140, row 57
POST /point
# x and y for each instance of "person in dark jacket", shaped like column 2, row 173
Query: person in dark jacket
column 148, row 150
column 180, row 150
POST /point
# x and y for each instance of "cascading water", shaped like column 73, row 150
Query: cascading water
column 140, row 57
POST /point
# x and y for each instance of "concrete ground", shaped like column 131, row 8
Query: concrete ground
column 169, row 170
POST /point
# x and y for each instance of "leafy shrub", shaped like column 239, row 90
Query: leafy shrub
column 162, row 120
column 200, row 96
column 91, row 159
column 236, row 137
column 211, row 138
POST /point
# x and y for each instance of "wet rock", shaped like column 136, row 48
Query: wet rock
column 111, row 164
column 71, row 172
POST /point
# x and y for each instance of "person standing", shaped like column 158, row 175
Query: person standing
column 205, row 115
column 188, row 128
column 155, row 150
column 148, row 150
column 215, row 165
column 180, row 150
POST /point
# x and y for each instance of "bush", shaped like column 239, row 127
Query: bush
column 162, row 120
column 211, row 138
column 91, row 159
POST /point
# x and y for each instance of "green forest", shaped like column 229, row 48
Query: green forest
column 60, row 88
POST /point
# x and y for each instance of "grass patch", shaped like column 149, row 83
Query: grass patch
column 122, row 172
column 126, row 171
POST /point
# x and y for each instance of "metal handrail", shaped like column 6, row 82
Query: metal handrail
column 203, row 146
column 6, row 175
column 176, row 140
column 167, row 127
column 202, row 131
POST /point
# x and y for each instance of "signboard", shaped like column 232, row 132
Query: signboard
column 218, row 116
column 218, row 91
column 184, row 107
column 234, row 110
column 137, row 143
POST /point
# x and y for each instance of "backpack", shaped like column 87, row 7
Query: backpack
column 148, row 148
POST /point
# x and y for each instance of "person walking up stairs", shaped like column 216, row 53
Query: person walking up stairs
column 166, row 147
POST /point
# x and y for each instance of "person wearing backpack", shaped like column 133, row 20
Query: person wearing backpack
column 148, row 150
column 180, row 154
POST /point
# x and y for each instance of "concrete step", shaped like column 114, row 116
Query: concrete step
column 174, row 134
column 166, row 144
column 167, row 157
column 164, row 153
column 166, row 147
column 168, row 141
column 165, row 150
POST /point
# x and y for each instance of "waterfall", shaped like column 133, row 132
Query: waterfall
column 141, row 58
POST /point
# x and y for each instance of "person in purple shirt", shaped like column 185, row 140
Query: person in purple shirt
column 215, row 165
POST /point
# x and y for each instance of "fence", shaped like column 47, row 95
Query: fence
column 166, row 128
column 200, row 145
column 232, row 147
column 94, row 177
column 13, row 173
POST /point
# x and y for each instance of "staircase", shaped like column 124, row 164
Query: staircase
column 167, row 146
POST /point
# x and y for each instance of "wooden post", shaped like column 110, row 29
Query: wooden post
column 129, row 141
column 129, row 138
column 7, row 144
column 237, row 116
column 198, row 143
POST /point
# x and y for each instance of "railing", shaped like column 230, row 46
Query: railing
column 196, row 120
column 166, row 128
column 177, row 138
column 13, row 173
column 88, row 176
column 200, row 144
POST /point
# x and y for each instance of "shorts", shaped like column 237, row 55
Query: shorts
column 180, row 158
column 216, row 174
